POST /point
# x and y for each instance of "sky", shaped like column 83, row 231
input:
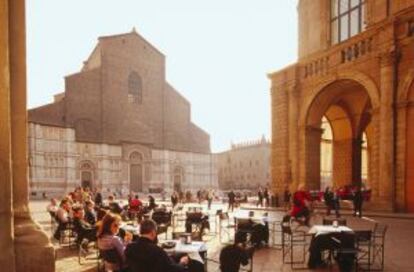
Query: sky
column 218, row 52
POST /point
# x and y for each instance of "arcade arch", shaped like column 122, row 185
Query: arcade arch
column 345, row 108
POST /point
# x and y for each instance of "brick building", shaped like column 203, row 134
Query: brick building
column 244, row 166
column 355, row 68
column 119, row 125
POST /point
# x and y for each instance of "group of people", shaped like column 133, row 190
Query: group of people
column 302, row 199
column 263, row 197
column 187, row 197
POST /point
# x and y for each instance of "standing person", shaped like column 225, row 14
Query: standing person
column 174, row 199
column 232, row 200
column 286, row 197
column 358, row 200
column 210, row 196
column 335, row 202
column 300, row 204
column 266, row 197
column 199, row 198
column 260, row 198
column 328, row 198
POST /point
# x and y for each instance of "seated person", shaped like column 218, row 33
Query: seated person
column 52, row 207
column 90, row 213
column 151, row 202
column 259, row 232
column 81, row 227
column 145, row 256
column 300, row 208
column 114, row 206
column 62, row 217
column 232, row 256
column 196, row 218
column 135, row 204
column 108, row 240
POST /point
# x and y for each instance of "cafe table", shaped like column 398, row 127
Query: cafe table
column 196, row 250
column 326, row 229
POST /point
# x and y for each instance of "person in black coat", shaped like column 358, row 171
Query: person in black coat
column 233, row 256
column 145, row 256
column 82, row 227
column 232, row 200
column 358, row 199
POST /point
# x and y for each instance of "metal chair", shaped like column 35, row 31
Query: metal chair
column 378, row 246
column 163, row 220
column 109, row 257
column 225, row 226
column 290, row 241
column 346, row 251
column 364, row 245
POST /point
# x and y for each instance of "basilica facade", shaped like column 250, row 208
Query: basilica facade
column 120, row 126
column 355, row 70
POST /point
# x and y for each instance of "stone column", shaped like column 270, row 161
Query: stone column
column 356, row 161
column 33, row 252
column 374, row 154
column 293, row 136
column 400, row 174
column 280, row 140
column 342, row 162
column 313, row 157
column 6, row 192
column 386, row 166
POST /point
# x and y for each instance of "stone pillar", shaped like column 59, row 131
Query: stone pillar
column 342, row 162
column 280, row 140
column 33, row 252
column 374, row 154
column 6, row 192
column 293, row 136
column 313, row 157
column 400, row 174
column 386, row 165
column 356, row 161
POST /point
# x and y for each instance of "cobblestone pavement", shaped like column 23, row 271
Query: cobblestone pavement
column 398, row 250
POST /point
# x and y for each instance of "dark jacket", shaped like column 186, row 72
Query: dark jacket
column 231, row 257
column 145, row 256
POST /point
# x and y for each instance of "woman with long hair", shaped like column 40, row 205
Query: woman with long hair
column 108, row 240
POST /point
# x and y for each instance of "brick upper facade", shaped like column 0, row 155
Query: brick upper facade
column 97, row 101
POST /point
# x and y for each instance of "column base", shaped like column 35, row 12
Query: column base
column 33, row 250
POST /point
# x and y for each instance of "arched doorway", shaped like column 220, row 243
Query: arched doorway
column 135, row 171
column 409, row 187
column 87, row 174
column 344, row 107
column 178, row 178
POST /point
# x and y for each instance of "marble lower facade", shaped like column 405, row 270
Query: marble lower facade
column 58, row 164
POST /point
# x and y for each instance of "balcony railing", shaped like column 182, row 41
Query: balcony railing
column 355, row 48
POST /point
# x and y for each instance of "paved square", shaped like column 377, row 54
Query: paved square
column 398, row 250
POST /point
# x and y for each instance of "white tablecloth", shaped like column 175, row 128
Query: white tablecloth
column 322, row 229
column 193, row 250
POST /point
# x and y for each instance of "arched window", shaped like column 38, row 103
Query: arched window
column 134, row 88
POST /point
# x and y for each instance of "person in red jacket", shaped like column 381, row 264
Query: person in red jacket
column 300, row 204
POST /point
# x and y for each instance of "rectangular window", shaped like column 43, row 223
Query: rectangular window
column 347, row 19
